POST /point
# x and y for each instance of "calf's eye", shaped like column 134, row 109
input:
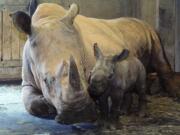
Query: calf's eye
column 110, row 76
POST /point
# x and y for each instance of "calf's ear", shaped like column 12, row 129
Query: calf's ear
column 123, row 55
column 97, row 52
column 22, row 22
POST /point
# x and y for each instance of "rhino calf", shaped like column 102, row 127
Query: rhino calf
column 117, row 77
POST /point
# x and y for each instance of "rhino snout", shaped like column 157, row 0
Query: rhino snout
column 96, row 89
column 88, row 114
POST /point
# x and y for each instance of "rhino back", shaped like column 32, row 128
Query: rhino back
column 113, row 36
column 125, row 75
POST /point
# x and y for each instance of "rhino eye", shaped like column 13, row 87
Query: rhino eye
column 110, row 76
column 49, row 81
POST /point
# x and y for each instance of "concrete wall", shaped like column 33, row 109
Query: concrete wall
column 143, row 9
column 167, row 28
column 92, row 8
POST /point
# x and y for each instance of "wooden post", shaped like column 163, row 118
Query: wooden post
column 1, row 35
column 167, row 28
column 15, row 44
column 177, row 37
column 22, row 39
column 136, row 8
column 6, row 36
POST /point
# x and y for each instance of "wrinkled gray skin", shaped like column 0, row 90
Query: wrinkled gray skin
column 117, row 77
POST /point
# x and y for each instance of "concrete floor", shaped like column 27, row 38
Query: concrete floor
column 14, row 120
column 163, row 119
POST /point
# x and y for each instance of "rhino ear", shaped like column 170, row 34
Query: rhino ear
column 21, row 21
column 74, row 78
column 71, row 14
column 123, row 55
column 97, row 52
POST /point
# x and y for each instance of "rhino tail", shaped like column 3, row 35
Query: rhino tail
column 159, row 57
column 169, row 80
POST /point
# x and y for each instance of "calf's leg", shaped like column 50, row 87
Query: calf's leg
column 104, row 107
column 126, row 104
column 142, row 107
column 114, row 110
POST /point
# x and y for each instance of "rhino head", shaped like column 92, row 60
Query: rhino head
column 104, row 71
column 51, row 43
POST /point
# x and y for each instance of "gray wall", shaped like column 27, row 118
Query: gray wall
column 167, row 28
column 144, row 9
column 92, row 8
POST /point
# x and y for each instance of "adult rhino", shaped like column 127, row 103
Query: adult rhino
column 55, row 80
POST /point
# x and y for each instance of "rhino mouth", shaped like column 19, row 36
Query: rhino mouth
column 86, row 114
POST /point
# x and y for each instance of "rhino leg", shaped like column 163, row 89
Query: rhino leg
column 142, row 106
column 114, row 111
column 36, row 104
column 126, row 104
column 104, row 108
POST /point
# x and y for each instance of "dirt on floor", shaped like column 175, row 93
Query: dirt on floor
column 163, row 119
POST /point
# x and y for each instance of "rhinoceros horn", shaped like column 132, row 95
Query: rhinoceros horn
column 74, row 78
column 97, row 52
column 61, row 69
column 71, row 14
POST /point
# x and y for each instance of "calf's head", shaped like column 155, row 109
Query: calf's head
column 103, row 72
column 50, row 45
